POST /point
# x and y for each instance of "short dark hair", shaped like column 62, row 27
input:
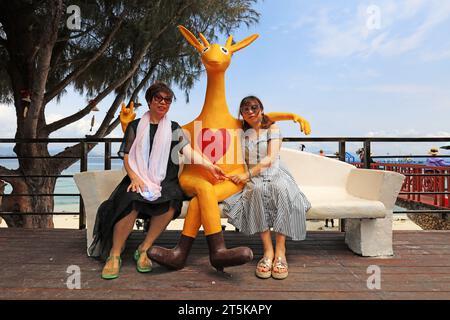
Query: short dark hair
column 266, row 121
column 157, row 87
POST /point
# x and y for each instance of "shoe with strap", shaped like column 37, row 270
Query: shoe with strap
column 281, row 265
column 264, row 268
column 142, row 267
column 111, row 270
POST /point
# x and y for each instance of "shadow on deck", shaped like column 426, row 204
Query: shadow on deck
column 34, row 264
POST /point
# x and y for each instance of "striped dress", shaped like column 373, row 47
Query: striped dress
column 271, row 200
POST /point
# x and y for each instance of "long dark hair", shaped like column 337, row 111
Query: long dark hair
column 266, row 121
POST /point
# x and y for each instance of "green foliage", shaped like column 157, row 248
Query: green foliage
column 170, row 56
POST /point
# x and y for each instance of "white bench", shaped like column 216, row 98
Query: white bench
column 365, row 198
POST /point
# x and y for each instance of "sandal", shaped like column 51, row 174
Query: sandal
column 142, row 268
column 280, row 264
column 264, row 263
column 113, row 271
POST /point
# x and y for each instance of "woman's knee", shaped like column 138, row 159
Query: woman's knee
column 169, row 213
column 133, row 213
column 132, row 216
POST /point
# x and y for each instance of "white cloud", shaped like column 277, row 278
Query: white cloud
column 395, row 133
column 438, row 55
column 439, row 134
column 81, row 127
column 74, row 130
column 404, row 27
column 8, row 124
column 434, row 98
column 402, row 89
column 406, row 148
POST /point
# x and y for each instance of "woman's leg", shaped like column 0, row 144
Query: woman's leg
column 157, row 225
column 122, row 230
column 266, row 238
column 280, row 247
column 280, row 251
column 267, row 244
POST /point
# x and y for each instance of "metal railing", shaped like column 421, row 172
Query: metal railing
column 107, row 155
column 82, row 158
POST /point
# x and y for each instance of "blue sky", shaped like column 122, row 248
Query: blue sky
column 334, row 63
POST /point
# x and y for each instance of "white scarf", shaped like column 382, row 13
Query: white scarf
column 151, row 169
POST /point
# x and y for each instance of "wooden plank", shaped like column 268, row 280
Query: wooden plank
column 41, row 294
column 34, row 264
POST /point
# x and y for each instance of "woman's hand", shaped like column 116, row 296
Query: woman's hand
column 240, row 178
column 136, row 185
column 216, row 172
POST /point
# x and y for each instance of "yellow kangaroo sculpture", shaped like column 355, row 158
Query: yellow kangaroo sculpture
column 213, row 133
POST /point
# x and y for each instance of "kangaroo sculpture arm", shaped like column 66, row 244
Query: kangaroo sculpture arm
column 305, row 127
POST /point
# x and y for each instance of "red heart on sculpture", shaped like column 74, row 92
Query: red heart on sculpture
column 214, row 144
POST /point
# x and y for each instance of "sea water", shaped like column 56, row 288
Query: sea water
column 67, row 185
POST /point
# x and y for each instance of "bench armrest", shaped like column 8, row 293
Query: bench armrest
column 378, row 185
column 95, row 187
column 98, row 185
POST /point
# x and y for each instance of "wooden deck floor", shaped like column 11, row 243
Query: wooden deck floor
column 33, row 265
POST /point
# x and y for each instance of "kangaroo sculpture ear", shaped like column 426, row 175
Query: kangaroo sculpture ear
column 191, row 38
column 229, row 42
column 204, row 40
column 241, row 44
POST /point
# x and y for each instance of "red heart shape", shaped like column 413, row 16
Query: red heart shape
column 214, row 144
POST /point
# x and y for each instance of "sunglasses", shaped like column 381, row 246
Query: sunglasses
column 253, row 108
column 159, row 98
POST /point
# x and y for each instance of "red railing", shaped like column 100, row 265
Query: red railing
column 424, row 184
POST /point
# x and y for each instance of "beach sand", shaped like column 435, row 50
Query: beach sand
column 401, row 222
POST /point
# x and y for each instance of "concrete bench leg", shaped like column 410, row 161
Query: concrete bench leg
column 370, row 237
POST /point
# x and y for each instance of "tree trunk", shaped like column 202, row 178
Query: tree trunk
column 30, row 52
column 34, row 203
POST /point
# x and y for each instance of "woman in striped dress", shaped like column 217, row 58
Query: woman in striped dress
column 271, row 197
